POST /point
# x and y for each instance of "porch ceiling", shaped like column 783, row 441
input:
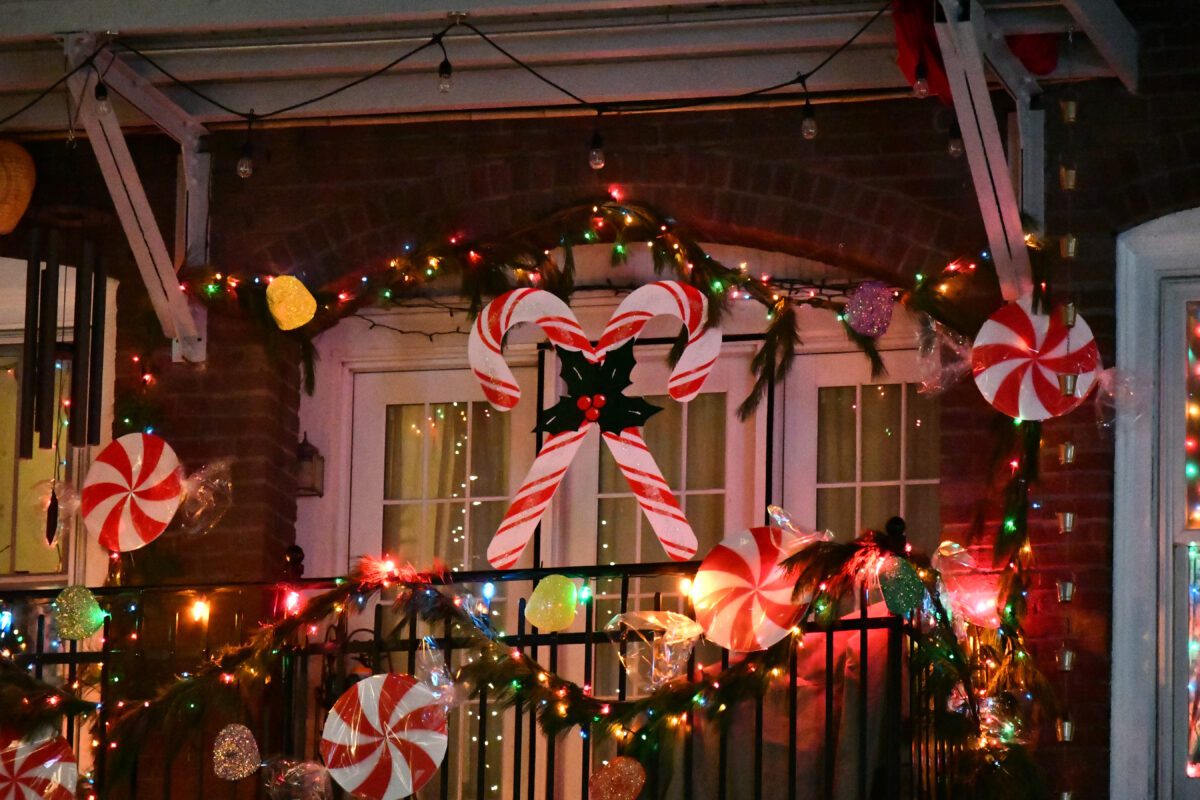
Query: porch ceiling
column 263, row 54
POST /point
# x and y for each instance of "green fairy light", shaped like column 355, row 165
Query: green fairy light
column 1191, row 470
column 1010, row 525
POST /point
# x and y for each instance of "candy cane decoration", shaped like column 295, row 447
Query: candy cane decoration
column 627, row 446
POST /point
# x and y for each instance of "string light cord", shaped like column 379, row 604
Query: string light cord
column 42, row 95
column 248, row 115
column 437, row 39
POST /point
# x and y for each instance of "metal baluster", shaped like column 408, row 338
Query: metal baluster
column 723, row 748
column 689, row 749
column 830, row 731
column 519, row 717
column 589, row 646
column 551, row 742
column 895, row 686
column 102, row 718
column 39, row 648
column 444, row 791
column 793, row 712
column 412, row 644
column 863, row 676
column 481, row 751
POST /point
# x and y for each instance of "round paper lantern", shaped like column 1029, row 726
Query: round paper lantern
column 235, row 753
column 742, row 597
column 77, row 614
column 17, row 177
column 290, row 302
column 44, row 769
column 385, row 737
column 553, row 604
column 621, row 778
column 131, row 492
column 1022, row 361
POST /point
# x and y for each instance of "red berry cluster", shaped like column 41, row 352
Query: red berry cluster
column 590, row 406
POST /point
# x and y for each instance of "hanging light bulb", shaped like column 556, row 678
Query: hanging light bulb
column 954, row 144
column 596, row 151
column 921, row 84
column 103, row 107
column 808, row 124
column 445, row 76
column 245, row 164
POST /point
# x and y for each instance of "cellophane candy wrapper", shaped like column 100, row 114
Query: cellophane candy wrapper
column 973, row 593
column 208, row 495
column 433, row 670
column 68, row 503
column 287, row 779
column 800, row 536
column 1118, row 395
column 658, row 644
column 943, row 357
column 42, row 766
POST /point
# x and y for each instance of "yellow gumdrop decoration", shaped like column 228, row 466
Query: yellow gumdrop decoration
column 553, row 604
column 291, row 303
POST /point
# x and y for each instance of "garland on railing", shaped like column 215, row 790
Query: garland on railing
column 975, row 703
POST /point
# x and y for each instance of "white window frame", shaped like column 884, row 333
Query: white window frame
column 1144, row 736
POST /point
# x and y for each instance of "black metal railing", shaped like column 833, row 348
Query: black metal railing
column 885, row 759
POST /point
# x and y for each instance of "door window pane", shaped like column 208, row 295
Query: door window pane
column 881, row 432
column 837, row 432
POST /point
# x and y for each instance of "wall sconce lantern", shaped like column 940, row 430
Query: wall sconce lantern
column 310, row 470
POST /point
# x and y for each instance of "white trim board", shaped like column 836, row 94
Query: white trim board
column 1147, row 256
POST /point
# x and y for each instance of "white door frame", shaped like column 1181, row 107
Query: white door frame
column 1147, row 256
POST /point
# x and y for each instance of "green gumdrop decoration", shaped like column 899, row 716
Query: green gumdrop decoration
column 77, row 613
column 553, row 604
column 902, row 587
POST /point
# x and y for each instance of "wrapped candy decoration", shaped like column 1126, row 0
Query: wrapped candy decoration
column 1118, row 395
column 41, row 767
column 973, row 592
column 799, row 536
column 553, row 604
column 59, row 502
column 208, row 495
column 235, row 753
column 621, row 778
column 658, row 644
column 285, row 779
column 77, row 614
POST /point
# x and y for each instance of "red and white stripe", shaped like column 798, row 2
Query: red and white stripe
column 131, row 492
column 44, row 769
column 385, row 737
column 1018, row 355
column 485, row 347
column 538, row 488
column 653, row 494
column 672, row 299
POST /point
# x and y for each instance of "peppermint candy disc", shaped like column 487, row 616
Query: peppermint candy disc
column 1018, row 357
column 44, row 769
column 742, row 597
column 131, row 492
column 385, row 737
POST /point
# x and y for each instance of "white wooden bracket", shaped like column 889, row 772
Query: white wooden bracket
column 963, row 41
column 1108, row 29
column 158, row 270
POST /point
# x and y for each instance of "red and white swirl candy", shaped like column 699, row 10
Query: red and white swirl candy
column 1018, row 357
column 742, row 596
column 385, row 737
column 44, row 769
column 665, row 298
column 131, row 492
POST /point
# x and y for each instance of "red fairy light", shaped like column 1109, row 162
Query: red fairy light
column 291, row 602
column 343, row 296
column 615, row 192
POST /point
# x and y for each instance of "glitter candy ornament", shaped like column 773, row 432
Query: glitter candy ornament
column 235, row 753
column 553, row 604
column 77, row 614
column 869, row 309
column 290, row 302
column 621, row 778
column 901, row 586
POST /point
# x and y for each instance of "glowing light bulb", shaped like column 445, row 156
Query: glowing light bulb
column 103, row 106
column 596, row 151
column 200, row 610
column 245, row 164
column 808, row 124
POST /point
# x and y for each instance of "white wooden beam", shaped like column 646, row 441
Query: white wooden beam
column 959, row 39
column 1108, row 29
column 132, row 206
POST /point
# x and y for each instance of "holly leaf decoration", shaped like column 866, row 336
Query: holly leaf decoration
column 607, row 380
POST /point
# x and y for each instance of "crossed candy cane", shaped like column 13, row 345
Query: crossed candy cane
column 485, row 349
